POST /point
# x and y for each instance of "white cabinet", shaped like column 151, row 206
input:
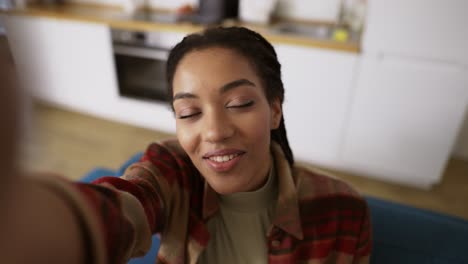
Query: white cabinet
column 412, row 90
column 317, row 91
column 64, row 62
column 71, row 64
column 404, row 118
column 433, row 29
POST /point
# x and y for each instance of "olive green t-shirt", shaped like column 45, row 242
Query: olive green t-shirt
column 238, row 231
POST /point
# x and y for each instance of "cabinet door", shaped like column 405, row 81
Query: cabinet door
column 404, row 119
column 434, row 29
column 64, row 62
column 318, row 87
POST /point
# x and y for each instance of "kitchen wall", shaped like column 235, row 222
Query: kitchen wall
column 318, row 10
column 171, row 4
column 100, row 2
column 162, row 4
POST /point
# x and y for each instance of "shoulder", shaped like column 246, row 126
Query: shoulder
column 316, row 188
column 168, row 152
column 166, row 158
column 166, row 146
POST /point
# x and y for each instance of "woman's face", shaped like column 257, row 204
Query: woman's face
column 223, row 119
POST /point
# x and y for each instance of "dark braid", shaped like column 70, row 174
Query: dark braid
column 256, row 49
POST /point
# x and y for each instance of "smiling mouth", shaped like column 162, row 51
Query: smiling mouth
column 223, row 158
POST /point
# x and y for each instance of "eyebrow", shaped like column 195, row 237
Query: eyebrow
column 235, row 84
column 225, row 88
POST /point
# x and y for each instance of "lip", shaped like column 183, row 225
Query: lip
column 223, row 166
column 222, row 152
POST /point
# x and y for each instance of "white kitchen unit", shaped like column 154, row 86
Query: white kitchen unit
column 63, row 62
column 431, row 29
column 411, row 90
column 318, row 87
column 71, row 64
column 405, row 116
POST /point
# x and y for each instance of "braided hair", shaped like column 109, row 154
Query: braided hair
column 255, row 48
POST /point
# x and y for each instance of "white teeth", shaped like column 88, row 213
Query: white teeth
column 223, row 158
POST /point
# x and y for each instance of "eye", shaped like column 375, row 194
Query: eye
column 186, row 116
column 241, row 105
column 187, row 112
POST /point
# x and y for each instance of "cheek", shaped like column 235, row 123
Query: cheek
column 186, row 137
column 256, row 126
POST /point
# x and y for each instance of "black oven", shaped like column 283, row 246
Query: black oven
column 140, row 63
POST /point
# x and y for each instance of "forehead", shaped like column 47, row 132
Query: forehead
column 212, row 67
column 217, row 58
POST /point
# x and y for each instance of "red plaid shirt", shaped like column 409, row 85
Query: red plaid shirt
column 318, row 219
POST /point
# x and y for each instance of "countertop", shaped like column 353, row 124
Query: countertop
column 116, row 18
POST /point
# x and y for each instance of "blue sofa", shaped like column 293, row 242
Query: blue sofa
column 401, row 234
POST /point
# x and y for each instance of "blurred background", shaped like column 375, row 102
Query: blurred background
column 376, row 91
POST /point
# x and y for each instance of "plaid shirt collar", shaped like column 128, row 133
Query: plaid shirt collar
column 286, row 216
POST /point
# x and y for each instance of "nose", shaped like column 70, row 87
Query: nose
column 217, row 127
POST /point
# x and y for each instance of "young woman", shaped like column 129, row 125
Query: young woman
column 227, row 189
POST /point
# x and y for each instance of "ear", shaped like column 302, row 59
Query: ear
column 276, row 114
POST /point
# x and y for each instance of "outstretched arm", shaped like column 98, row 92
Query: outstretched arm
column 45, row 219
column 37, row 226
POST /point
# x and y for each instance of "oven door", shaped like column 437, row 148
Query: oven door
column 141, row 72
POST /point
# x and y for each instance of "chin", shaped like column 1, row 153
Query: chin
column 224, row 190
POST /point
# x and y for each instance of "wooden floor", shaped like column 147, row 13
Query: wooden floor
column 72, row 144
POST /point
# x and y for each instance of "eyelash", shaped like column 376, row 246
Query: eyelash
column 248, row 104
column 188, row 116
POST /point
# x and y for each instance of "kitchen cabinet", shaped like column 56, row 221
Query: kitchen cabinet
column 318, row 86
column 71, row 64
column 432, row 29
column 64, row 63
column 404, row 118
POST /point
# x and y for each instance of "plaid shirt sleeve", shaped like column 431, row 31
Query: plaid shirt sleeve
column 157, row 182
column 119, row 215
